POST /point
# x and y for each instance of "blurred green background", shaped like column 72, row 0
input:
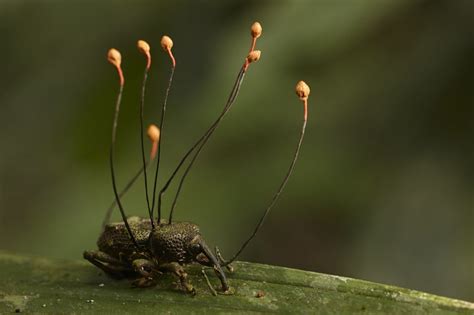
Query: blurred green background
column 384, row 188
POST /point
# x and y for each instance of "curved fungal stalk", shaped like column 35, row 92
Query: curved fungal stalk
column 144, row 48
column 253, row 56
column 124, row 191
column 155, row 247
column 302, row 90
column 115, row 58
column 166, row 44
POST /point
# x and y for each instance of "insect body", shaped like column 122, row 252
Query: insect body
column 165, row 249
column 144, row 248
column 117, row 255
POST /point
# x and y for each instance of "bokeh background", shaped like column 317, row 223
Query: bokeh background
column 384, row 188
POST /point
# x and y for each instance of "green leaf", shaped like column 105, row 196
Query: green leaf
column 39, row 285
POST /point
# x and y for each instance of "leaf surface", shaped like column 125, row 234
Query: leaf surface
column 40, row 285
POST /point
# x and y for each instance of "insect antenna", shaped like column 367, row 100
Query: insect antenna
column 144, row 48
column 166, row 44
column 302, row 90
column 115, row 59
column 253, row 56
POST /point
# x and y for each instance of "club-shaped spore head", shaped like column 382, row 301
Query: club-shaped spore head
column 153, row 133
column 167, row 43
column 256, row 30
column 302, row 90
column 115, row 58
column 144, row 48
column 254, row 56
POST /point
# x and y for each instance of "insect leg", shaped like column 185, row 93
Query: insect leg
column 178, row 270
column 147, row 270
column 213, row 262
column 222, row 261
column 145, row 267
column 213, row 291
column 111, row 266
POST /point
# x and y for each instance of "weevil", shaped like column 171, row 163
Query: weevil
column 144, row 248
column 167, row 248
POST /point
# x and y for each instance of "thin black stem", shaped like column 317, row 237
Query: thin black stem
column 274, row 199
column 163, row 112
column 129, row 185
column 142, row 105
column 112, row 171
column 201, row 142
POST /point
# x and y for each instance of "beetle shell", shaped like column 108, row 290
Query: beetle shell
column 115, row 241
column 175, row 242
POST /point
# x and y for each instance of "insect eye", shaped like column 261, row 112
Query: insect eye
column 196, row 248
